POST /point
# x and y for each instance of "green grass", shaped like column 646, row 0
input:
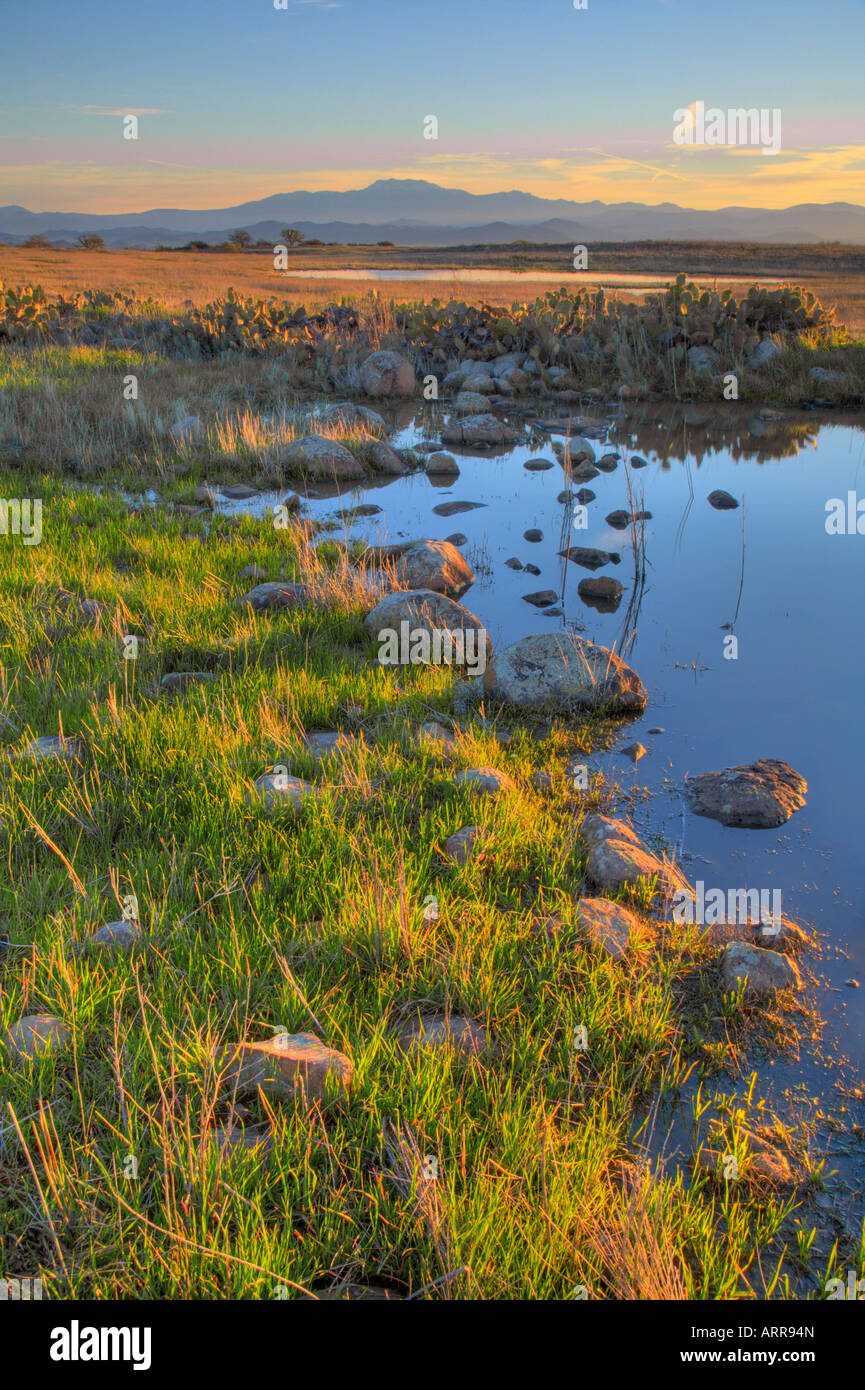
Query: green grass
column 315, row 923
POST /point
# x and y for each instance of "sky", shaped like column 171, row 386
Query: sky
column 238, row 99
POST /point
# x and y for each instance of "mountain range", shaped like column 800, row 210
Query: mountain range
column 415, row 212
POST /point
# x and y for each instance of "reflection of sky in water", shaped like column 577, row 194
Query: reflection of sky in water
column 795, row 692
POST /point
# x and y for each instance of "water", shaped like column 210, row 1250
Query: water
column 569, row 279
column 793, row 594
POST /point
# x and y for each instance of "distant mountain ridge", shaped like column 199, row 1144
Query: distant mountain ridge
column 419, row 213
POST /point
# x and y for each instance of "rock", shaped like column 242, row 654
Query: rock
column 609, row 926
column 480, row 431
column 243, row 1139
column 584, row 473
column 363, row 509
column 187, row 429
column 464, row 844
column 620, row 520
column 181, row 680
column 566, row 671
column 457, row 539
column 763, row 971
column 34, row 1035
column 470, row 403
column 608, row 463
column 441, row 463
column 88, row 611
column 638, row 462
column 763, row 353
column 585, row 495
column 120, row 936
column 378, row 455
column 531, row 569
column 823, row 376
column 315, row 456
column 322, row 743
column 204, row 496
column 616, row 857
column 478, row 383
column 278, row 595
column 486, row 781
column 508, row 362
column 52, row 748
column 435, row 565
column 444, row 1030
column 589, row 557
column 542, row 599
column 634, row 751
column 605, row 594
column 348, row 416
column 239, row 492
column 702, row 359
column 276, row 790
column 533, row 535
column 440, row 740
column 386, row 374
column 538, row 465
column 455, row 508
column 425, row 609
column 722, row 501
column 759, row 795
column 290, row 1066
column 513, row 563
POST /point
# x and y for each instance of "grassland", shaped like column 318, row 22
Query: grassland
column 836, row 275
column 113, row 1180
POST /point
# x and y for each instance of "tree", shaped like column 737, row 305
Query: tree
column 90, row 241
column 36, row 239
column 240, row 240
column 292, row 237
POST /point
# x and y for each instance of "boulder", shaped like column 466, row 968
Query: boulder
column 436, row 565
column 542, row 598
column 764, row 353
column 616, row 857
column 378, row 455
column 348, row 416
column 386, row 374
column 486, row 781
column 763, row 971
column 181, row 680
column 605, row 594
column 480, row 430
column 589, row 557
column 34, row 1035
column 565, row 671
column 470, row 403
column 444, row 1030
column 122, row 935
column 609, row 926
column 278, row 791
column 316, row 456
column 702, row 359
column 464, row 844
column 427, row 610
column 758, row 795
column 289, row 1066
column 277, row 595
column 442, row 464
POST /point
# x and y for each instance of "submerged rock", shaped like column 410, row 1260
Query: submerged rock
column 722, row 501
column 566, row 671
column 759, row 795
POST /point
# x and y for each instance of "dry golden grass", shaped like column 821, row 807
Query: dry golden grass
column 171, row 277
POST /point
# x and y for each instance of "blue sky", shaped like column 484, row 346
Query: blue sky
column 238, row 100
